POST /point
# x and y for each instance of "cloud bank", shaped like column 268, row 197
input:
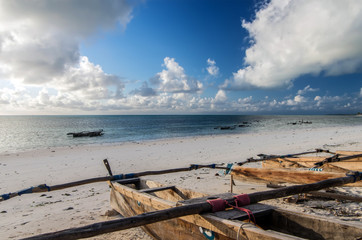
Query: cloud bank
column 290, row 38
column 43, row 72
column 39, row 44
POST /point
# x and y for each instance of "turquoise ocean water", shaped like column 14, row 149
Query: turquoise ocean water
column 22, row 133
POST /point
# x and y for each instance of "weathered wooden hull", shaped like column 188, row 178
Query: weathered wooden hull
column 128, row 205
column 284, row 175
column 354, row 164
column 273, row 223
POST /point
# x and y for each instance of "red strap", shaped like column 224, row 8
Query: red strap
column 250, row 213
column 242, row 200
column 217, row 204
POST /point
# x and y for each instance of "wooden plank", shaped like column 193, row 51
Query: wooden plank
column 231, row 227
column 284, row 175
column 146, row 199
column 285, row 163
column 349, row 165
column 178, row 194
column 258, row 210
column 348, row 153
column 283, row 234
column 157, row 189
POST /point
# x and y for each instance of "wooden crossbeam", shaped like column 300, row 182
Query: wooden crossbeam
column 157, row 189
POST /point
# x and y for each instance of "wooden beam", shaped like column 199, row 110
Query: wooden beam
column 157, row 189
column 337, row 159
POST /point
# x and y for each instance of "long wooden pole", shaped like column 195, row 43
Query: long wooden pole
column 198, row 208
column 45, row 188
column 273, row 157
column 336, row 158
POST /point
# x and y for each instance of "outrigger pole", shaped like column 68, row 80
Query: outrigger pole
column 45, row 188
column 264, row 157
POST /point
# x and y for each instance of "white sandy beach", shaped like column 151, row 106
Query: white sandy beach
column 37, row 213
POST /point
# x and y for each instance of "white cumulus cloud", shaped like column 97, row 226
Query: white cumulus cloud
column 290, row 38
column 39, row 45
column 212, row 69
column 173, row 79
column 220, row 96
column 307, row 89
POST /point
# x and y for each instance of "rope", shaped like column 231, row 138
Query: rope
column 6, row 196
column 43, row 186
column 242, row 200
column 118, row 177
column 25, row 191
column 194, row 166
column 241, row 228
column 129, row 175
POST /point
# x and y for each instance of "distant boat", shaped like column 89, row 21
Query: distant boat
column 87, row 133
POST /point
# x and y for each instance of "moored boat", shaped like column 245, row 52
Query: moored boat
column 87, row 133
column 135, row 197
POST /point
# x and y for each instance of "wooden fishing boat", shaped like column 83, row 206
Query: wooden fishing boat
column 87, row 133
column 285, row 175
column 132, row 197
column 331, row 162
column 301, row 169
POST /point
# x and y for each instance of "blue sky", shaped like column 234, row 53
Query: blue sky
column 180, row 57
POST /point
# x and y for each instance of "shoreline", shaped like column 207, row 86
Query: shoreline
column 33, row 214
column 145, row 141
column 25, row 140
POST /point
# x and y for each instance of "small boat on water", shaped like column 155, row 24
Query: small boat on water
column 87, row 133
column 141, row 196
